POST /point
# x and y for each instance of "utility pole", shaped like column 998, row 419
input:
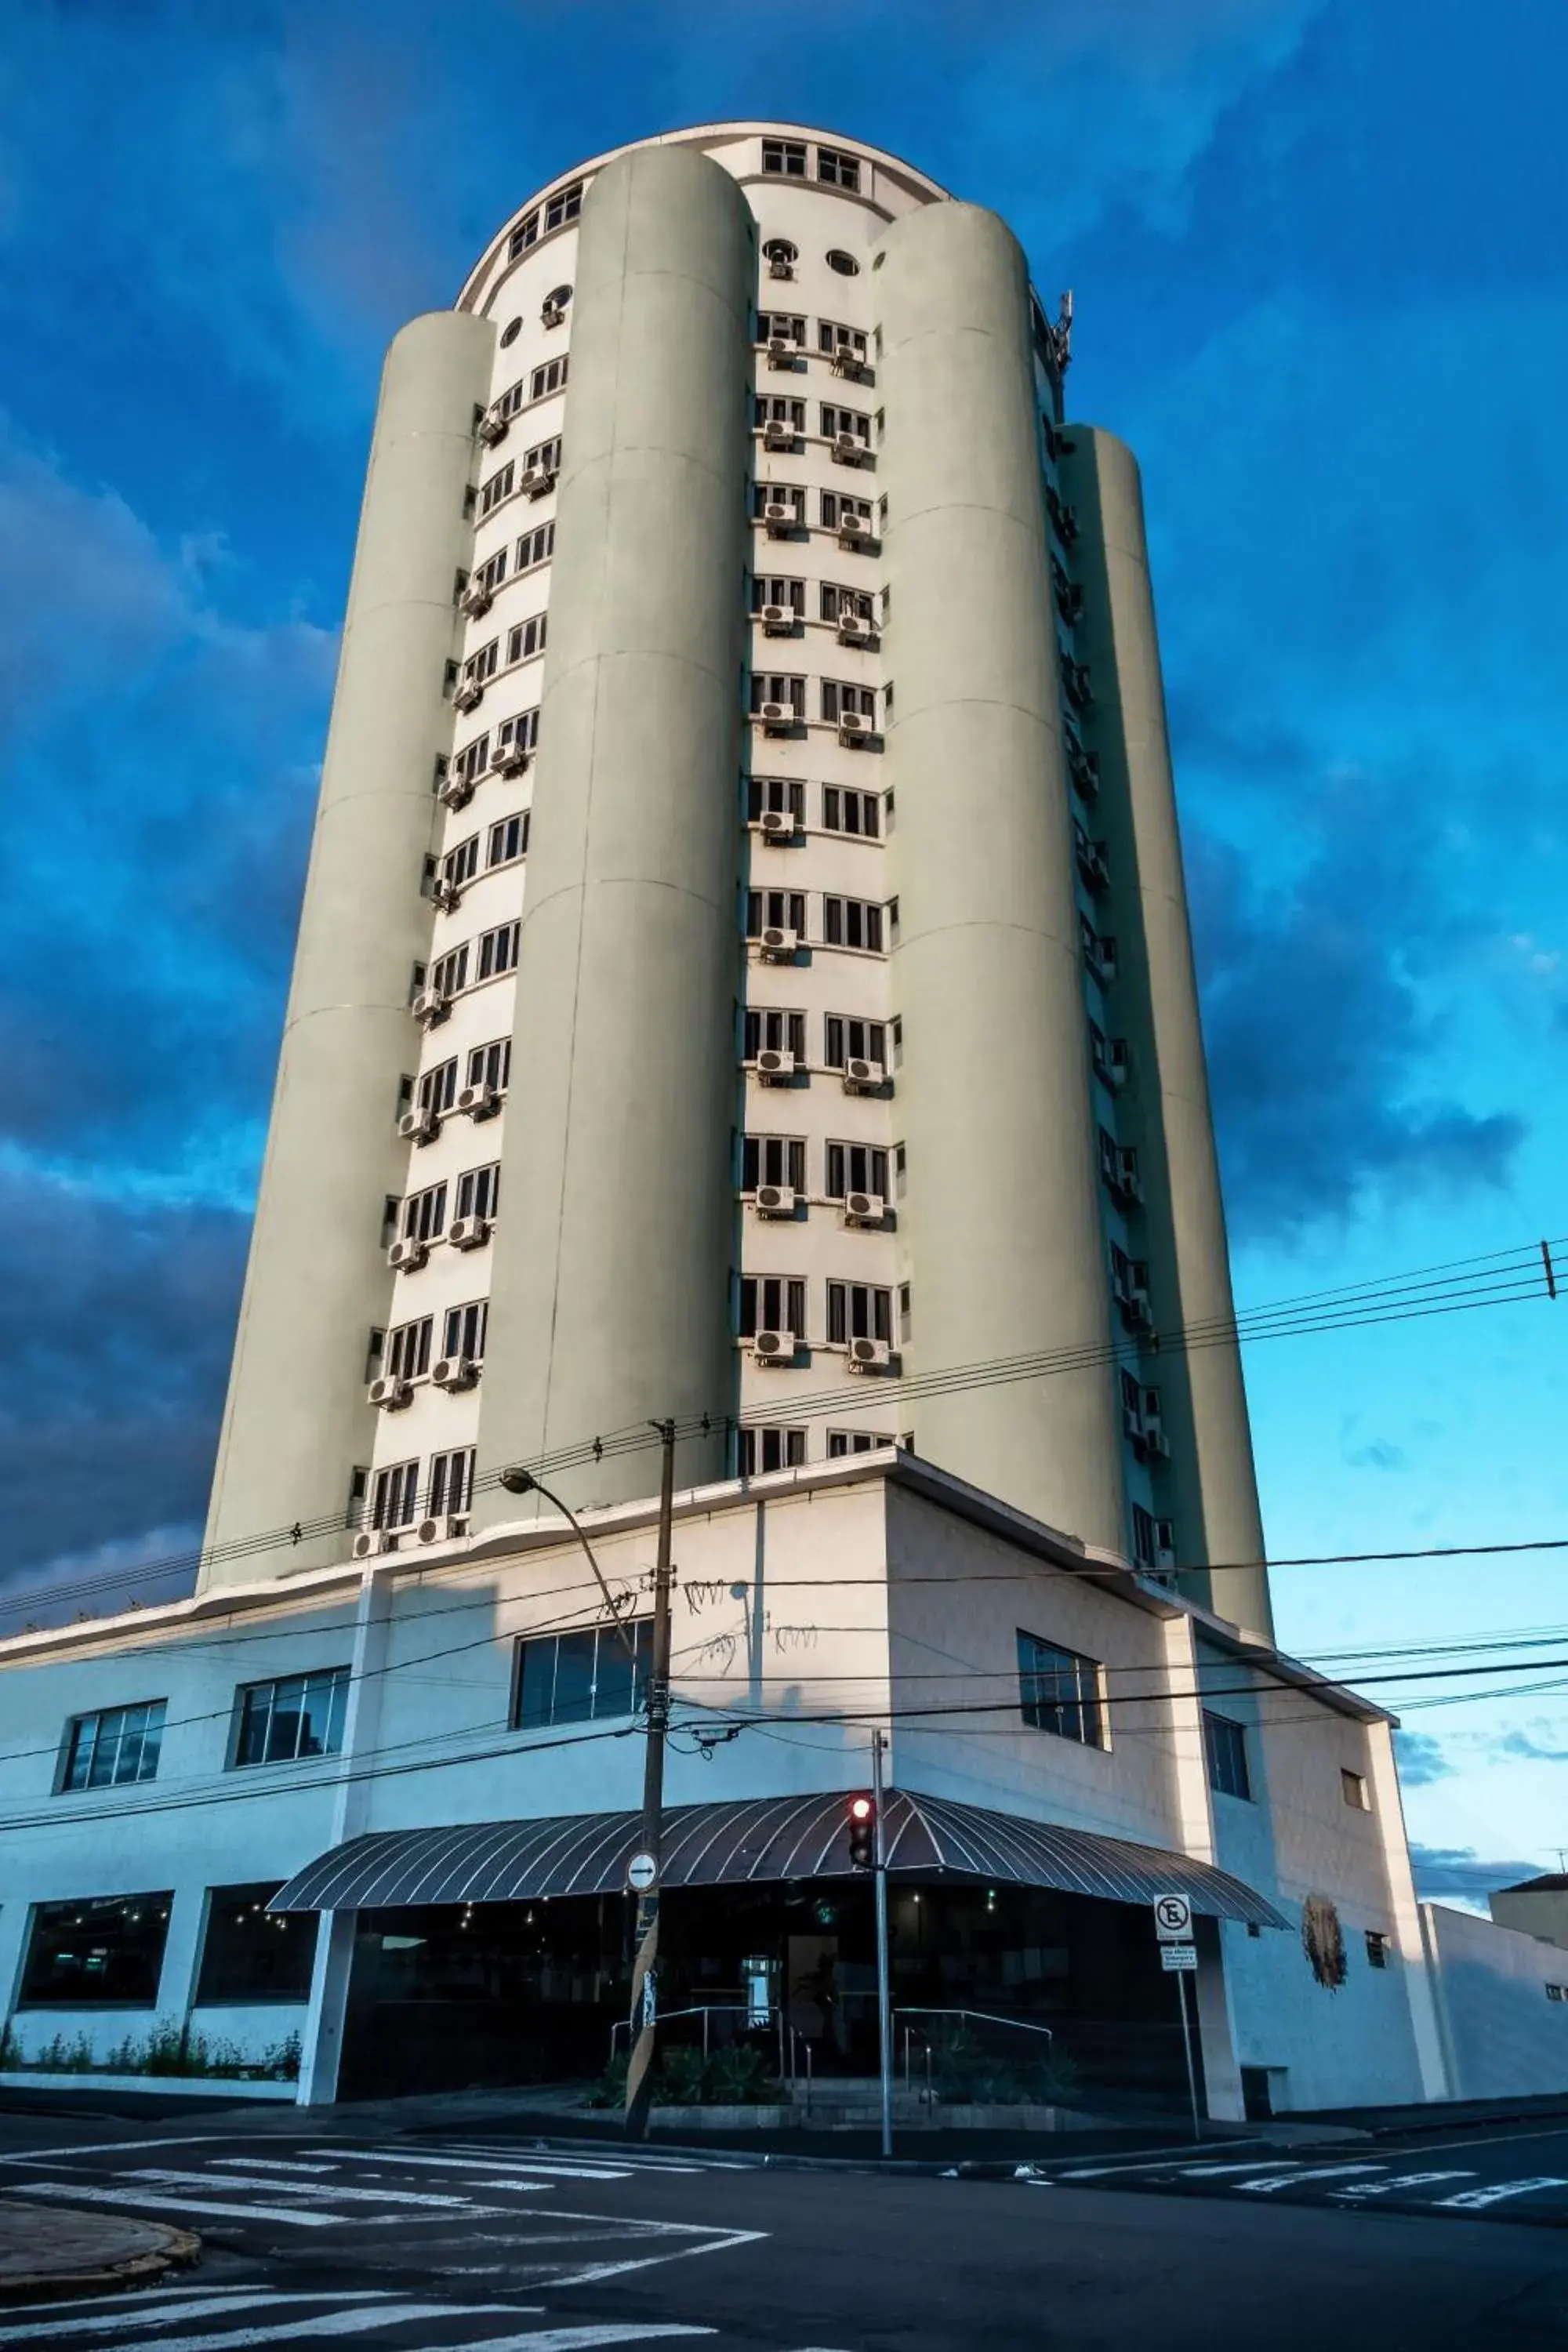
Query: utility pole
column 884, row 2001
column 646, row 1863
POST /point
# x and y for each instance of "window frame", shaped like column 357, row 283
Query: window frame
column 1083, row 1705
column 1226, row 1762
column 334, row 1682
column 155, row 1712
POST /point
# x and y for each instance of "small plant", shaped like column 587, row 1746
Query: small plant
column 610, row 2090
column 739, row 2076
column 680, row 2079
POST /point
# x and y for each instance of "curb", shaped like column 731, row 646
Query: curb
column 182, row 2250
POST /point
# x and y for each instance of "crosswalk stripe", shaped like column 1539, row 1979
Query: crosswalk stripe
column 326, row 2323
column 524, row 2165
column 1213, row 2172
column 579, row 2339
column 1266, row 2187
column 340, row 2193
column 1399, row 2180
column 78, row 2192
column 181, row 2308
column 270, row 2164
column 1472, row 2200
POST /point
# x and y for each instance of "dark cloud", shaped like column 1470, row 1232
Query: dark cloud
column 1525, row 1745
column 1457, row 1870
column 1421, row 1759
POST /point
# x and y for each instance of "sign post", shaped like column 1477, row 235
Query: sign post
column 1179, row 1956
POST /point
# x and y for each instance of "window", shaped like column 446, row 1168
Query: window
column 843, row 263
column 491, row 571
column 851, row 1040
column 778, row 408
column 520, row 734
column 1225, row 1753
column 461, row 865
column 299, row 1716
column 406, row 1354
column 780, row 250
column 856, row 1168
column 788, row 693
column 547, row 378
column 1557, row 1992
column 762, row 1450
column 786, row 495
column 847, row 604
column 852, row 923
column 858, row 1310
column 525, row 234
column 836, row 170
column 1353, row 1789
column 484, row 663
column 772, row 1302
column 449, row 972
column 773, row 1159
column 249, row 1953
column 96, row 1952
column 514, row 397
column 839, row 510
column 438, row 1088
column 564, row 205
column 790, row 594
column 395, row 1497
column 781, row 327
column 424, row 1215
column 582, row 1677
column 1059, row 1692
column 835, row 340
column 1377, row 1944
column 852, row 421
column 775, row 796
column 842, row 702
column 499, row 486
column 785, row 155
column 469, row 764
column 846, row 812
column 1151, row 1544
column 478, row 1191
column 535, row 547
column 765, row 1031
column 451, row 1482
column 1099, row 952
column 527, row 639
column 497, row 950
column 544, row 457
column 768, row 910
column 842, row 1441
column 513, row 327
column 463, row 1330
column 508, row 840
column 490, row 1066
column 118, row 1744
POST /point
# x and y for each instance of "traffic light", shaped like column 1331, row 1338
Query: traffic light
column 862, row 1833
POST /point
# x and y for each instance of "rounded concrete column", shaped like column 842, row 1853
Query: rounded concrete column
column 610, row 1264
column 1006, row 1247
column 1212, row 1483
column 296, row 1420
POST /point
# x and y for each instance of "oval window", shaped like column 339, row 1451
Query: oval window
column 779, row 248
column 556, row 300
column 844, row 263
column 510, row 331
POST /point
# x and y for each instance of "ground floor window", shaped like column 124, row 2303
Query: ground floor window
column 97, row 1952
column 251, row 1954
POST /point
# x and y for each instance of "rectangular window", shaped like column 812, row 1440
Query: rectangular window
column 1353, row 1789
column 514, row 397
column 438, row 1088
column 544, row 458
column 490, row 1066
column 451, row 1489
column 856, row 1168
column 790, row 692
column 518, row 734
column 298, row 1715
column 535, row 547
column 395, row 1497
column 852, row 923
column 841, row 700
column 425, row 1213
column 849, row 1040
column 773, row 1159
column 778, row 408
column 118, row 1744
column 492, row 571
column 478, row 1191
column 847, row 604
column 463, row 1330
column 525, row 234
column 858, row 1310
column 786, row 156
column 835, row 169
column 790, row 594
column 1225, row 1753
column 508, row 840
column 406, row 1354
column 1556, row 1992
column 527, row 639
column 449, row 972
column 461, row 865
column 770, row 1031
column 767, row 910
column 855, row 422
column 775, row 795
column 483, row 666
column 781, row 327
column 547, row 378
column 499, row 486
column 847, row 811
column 842, row 1441
column 96, row 1952
column 759, row 1451
column 1376, row 1949
column 772, row 1302
column 497, row 950
column 470, row 762
column 787, row 496
column 584, row 1678
column 838, row 510
column 1059, row 1692
column 834, row 338
column 564, row 205
column 251, row 1954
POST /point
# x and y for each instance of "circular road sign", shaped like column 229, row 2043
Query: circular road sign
column 642, row 1873
column 1173, row 1919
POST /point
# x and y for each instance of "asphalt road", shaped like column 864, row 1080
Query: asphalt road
column 494, row 2244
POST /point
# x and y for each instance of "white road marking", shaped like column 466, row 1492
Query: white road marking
column 181, row 2309
column 106, row 2147
column 577, row 2339
column 1492, row 2192
column 1399, row 2180
column 1171, row 2158
column 340, row 2193
column 1307, row 2173
column 329, row 2323
column 491, row 2164
column 1213, row 2172
column 81, row 2193
column 270, row 2164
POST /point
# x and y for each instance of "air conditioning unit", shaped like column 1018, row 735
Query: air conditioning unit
column 478, row 1102
column 1102, row 959
column 536, row 480
column 454, row 1372
column 779, row 515
column 430, row 1006
column 469, row 1233
column 491, row 429
column 373, row 1541
column 408, row 1256
column 552, row 315
column 455, row 790
column 779, row 944
column 420, row 1125
column 855, row 629
column 781, row 352
column 476, row 598
column 777, row 434
column 853, row 726
column 781, row 268
column 1126, row 1178
column 1084, row 768
column 1092, row 864
column 446, row 894
column 848, row 449
column 1132, row 1427
column 847, row 363
column 391, row 1391
column 445, row 1528
column 774, row 1347
column 513, row 758
column 777, row 718
column 775, row 1067
column 862, row 1076
column 776, row 1199
column 864, row 1208
column 469, row 696
column 870, row 1356
column 778, row 621
column 1132, row 1298
column 777, row 825
column 1112, row 1063
column 1165, row 1560
column 1154, row 1438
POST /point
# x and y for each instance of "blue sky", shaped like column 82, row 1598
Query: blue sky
column 1318, row 249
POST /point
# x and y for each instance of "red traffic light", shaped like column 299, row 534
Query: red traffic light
column 861, row 1809
column 862, row 1813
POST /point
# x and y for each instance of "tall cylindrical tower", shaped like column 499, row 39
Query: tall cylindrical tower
column 1004, row 1229
column 297, row 1420
column 609, row 1296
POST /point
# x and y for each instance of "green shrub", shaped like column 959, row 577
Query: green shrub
column 678, row 2082
column 739, row 2076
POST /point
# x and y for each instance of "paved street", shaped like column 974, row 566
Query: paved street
column 494, row 2244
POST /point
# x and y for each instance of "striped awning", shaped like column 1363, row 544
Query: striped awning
column 766, row 1839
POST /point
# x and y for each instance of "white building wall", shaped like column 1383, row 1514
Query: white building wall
column 1503, row 2036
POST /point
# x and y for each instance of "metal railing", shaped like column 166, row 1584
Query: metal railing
column 668, row 2017
column 912, row 2034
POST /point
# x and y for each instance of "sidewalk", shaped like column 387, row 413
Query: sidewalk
column 46, row 2253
